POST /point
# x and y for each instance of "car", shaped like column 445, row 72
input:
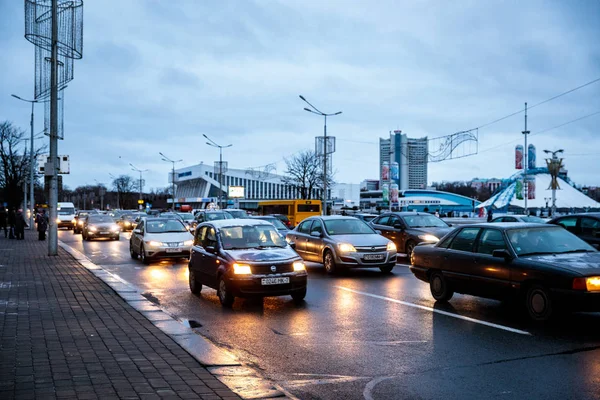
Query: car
column 365, row 217
column 65, row 215
column 276, row 222
column 99, row 226
column 342, row 242
column 157, row 238
column 585, row 225
column 79, row 219
column 519, row 218
column 127, row 222
column 211, row 215
column 284, row 218
column 188, row 218
column 237, row 213
column 245, row 258
column 408, row 229
column 544, row 266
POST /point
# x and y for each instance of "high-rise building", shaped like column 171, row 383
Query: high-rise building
column 411, row 156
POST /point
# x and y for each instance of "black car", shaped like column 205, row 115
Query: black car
column 79, row 219
column 585, row 226
column 543, row 265
column 408, row 229
column 245, row 258
column 100, row 226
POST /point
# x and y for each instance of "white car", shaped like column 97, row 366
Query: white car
column 156, row 238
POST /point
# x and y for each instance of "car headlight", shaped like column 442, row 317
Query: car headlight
column 591, row 284
column 73, row 221
column 127, row 223
column 346, row 247
column 391, row 246
column 92, row 228
column 429, row 238
column 299, row 266
column 154, row 243
column 58, row 220
column 188, row 243
column 114, row 228
column 239, row 269
column 80, row 222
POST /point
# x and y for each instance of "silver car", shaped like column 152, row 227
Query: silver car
column 155, row 238
column 342, row 242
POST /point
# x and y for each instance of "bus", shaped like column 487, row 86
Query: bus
column 295, row 210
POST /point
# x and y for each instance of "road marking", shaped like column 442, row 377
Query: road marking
column 368, row 392
column 446, row 313
column 322, row 380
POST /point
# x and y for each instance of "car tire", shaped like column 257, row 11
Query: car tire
column 84, row 236
column 329, row 262
column 225, row 296
column 299, row 295
column 143, row 256
column 410, row 246
column 132, row 252
column 194, row 283
column 538, row 303
column 440, row 290
column 386, row 269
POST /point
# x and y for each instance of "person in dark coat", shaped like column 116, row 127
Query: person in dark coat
column 3, row 220
column 490, row 215
column 42, row 224
column 20, row 225
column 11, row 223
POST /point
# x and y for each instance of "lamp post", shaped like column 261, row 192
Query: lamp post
column 554, row 164
column 141, row 172
column 316, row 111
column 167, row 159
column 213, row 144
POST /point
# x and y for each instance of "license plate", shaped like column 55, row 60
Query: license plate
column 173, row 250
column 104, row 233
column 274, row 281
column 374, row 256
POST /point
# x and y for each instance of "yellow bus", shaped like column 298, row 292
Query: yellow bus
column 295, row 210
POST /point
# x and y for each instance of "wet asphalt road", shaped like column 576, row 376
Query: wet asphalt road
column 367, row 335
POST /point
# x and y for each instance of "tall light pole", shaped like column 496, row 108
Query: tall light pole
column 525, row 154
column 167, row 159
column 554, row 165
column 316, row 111
column 213, row 144
column 141, row 172
column 114, row 178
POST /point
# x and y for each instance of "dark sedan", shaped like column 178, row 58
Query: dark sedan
column 585, row 226
column 100, row 226
column 245, row 258
column 407, row 229
column 544, row 266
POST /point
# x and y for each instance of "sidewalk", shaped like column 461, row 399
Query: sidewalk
column 66, row 334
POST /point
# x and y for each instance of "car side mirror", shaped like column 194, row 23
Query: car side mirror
column 137, row 231
column 398, row 226
column 316, row 234
column 377, row 231
column 502, row 253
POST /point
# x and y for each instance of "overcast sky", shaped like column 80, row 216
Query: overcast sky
column 156, row 75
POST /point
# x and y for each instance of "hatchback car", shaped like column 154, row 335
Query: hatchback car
column 100, row 226
column 407, row 229
column 342, row 242
column 155, row 238
column 585, row 225
column 245, row 258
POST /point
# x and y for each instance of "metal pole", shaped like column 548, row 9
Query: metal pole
column 31, row 183
column 525, row 151
column 220, row 178
column 139, row 205
column 173, row 185
column 52, row 226
column 324, row 205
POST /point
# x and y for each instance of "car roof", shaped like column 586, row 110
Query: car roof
column 331, row 217
column 507, row 225
column 591, row 214
column 225, row 223
column 406, row 213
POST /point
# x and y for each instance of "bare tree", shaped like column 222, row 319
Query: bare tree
column 304, row 173
column 124, row 185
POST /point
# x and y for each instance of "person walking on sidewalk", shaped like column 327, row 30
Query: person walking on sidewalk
column 20, row 225
column 42, row 224
column 3, row 218
column 11, row 223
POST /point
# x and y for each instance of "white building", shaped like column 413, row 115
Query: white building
column 411, row 156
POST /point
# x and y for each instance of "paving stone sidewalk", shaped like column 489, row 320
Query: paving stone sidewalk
column 65, row 334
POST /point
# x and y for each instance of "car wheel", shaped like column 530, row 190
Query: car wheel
column 195, row 285
column 132, row 252
column 386, row 269
column 440, row 290
column 143, row 256
column 329, row 262
column 299, row 295
column 84, row 236
column 410, row 246
column 538, row 303
column 225, row 297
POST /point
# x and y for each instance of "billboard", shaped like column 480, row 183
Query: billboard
column 519, row 157
column 395, row 171
column 531, row 157
column 236, row 192
column 519, row 189
column 531, row 187
column 393, row 193
column 385, row 171
column 385, row 191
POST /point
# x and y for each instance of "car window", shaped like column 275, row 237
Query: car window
column 316, row 227
column 350, row 226
column 568, row 222
column 490, row 240
column 394, row 221
column 305, row 227
column 382, row 220
column 165, row 225
column 141, row 226
column 423, row 221
column 509, row 219
column 200, row 233
column 210, row 238
column 251, row 236
column 447, row 240
column 99, row 219
column 464, row 240
column 590, row 226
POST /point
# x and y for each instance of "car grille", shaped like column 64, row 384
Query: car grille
column 265, row 269
column 370, row 249
column 173, row 244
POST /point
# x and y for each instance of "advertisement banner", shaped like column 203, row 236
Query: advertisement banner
column 394, row 193
column 519, row 157
column 395, row 171
column 519, row 189
column 385, row 171
column 385, row 189
column 531, row 157
column 531, row 187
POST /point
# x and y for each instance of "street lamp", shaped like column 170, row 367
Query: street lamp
column 316, row 111
column 133, row 168
column 167, row 159
column 554, row 164
column 213, row 144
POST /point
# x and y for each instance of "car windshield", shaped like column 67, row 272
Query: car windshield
column 424, row 221
column 213, row 216
column 96, row 219
column 347, row 227
column 535, row 220
column 66, row 211
column 546, row 240
column 164, row 226
column 186, row 215
column 238, row 213
column 251, row 236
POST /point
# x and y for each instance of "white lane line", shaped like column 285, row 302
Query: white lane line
column 446, row 313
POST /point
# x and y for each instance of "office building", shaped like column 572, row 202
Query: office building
column 411, row 156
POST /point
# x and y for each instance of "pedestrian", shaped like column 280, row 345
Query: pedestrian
column 437, row 213
column 3, row 220
column 11, row 223
column 20, row 225
column 490, row 215
column 42, row 224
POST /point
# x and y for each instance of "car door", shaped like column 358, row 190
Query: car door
column 381, row 224
column 397, row 232
column 138, row 237
column 457, row 263
column 301, row 235
column 590, row 230
column 315, row 244
column 197, row 254
column 490, row 276
column 570, row 224
column 210, row 261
